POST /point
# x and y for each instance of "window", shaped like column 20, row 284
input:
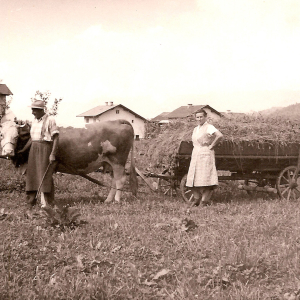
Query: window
column 132, row 121
column 87, row 120
column 117, row 111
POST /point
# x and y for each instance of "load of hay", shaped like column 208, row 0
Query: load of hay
column 157, row 152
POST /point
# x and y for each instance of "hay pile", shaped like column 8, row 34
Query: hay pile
column 157, row 152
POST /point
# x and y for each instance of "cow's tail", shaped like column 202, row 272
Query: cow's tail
column 132, row 176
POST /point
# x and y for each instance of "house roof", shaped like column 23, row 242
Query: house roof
column 162, row 116
column 185, row 111
column 101, row 109
column 4, row 90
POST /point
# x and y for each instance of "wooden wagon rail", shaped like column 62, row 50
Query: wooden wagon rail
column 261, row 166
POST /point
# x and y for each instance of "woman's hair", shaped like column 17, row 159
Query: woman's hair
column 201, row 111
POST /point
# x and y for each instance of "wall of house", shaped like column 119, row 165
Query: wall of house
column 137, row 123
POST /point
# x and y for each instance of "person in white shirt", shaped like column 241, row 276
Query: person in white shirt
column 43, row 145
column 202, row 175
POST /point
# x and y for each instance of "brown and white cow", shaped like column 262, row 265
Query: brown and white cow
column 82, row 150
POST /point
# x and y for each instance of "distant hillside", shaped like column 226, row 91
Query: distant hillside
column 291, row 112
column 269, row 111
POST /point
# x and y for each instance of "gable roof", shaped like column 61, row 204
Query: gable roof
column 101, row 109
column 4, row 90
column 162, row 116
column 185, row 111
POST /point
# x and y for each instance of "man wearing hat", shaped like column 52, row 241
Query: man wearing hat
column 41, row 162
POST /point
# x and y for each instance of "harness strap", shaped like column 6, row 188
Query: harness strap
column 8, row 143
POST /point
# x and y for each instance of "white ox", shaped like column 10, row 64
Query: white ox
column 82, row 150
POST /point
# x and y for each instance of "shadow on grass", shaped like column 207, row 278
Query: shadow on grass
column 228, row 192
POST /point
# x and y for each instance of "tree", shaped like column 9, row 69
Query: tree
column 8, row 102
column 45, row 96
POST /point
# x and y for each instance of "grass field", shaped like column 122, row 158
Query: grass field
column 149, row 247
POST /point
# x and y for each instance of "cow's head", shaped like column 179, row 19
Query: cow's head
column 9, row 136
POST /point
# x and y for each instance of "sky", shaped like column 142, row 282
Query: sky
column 152, row 56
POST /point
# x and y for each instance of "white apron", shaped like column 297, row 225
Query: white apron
column 202, row 170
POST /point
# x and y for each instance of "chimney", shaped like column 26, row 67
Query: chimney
column 106, row 103
column 111, row 103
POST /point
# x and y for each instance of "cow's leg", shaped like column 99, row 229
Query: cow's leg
column 118, row 180
column 112, row 192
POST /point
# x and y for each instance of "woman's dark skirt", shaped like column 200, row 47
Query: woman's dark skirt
column 38, row 162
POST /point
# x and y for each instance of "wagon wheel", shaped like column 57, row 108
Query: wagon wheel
column 186, row 192
column 167, row 186
column 287, row 183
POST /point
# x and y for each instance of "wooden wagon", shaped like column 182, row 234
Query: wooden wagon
column 259, row 166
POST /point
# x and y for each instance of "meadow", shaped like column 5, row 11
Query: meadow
column 146, row 247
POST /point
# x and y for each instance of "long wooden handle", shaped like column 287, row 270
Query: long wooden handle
column 145, row 179
column 39, row 188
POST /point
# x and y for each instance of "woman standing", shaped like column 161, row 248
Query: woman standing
column 202, row 175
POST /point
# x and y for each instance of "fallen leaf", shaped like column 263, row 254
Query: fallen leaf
column 116, row 249
column 145, row 290
column 155, row 252
column 98, row 246
column 161, row 273
column 66, row 269
column 59, row 248
column 159, row 225
column 149, row 283
column 155, row 185
column 97, row 258
column 100, row 264
column 289, row 296
column 91, row 244
column 176, row 220
column 52, row 280
column 137, row 274
column 62, row 236
column 79, row 261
